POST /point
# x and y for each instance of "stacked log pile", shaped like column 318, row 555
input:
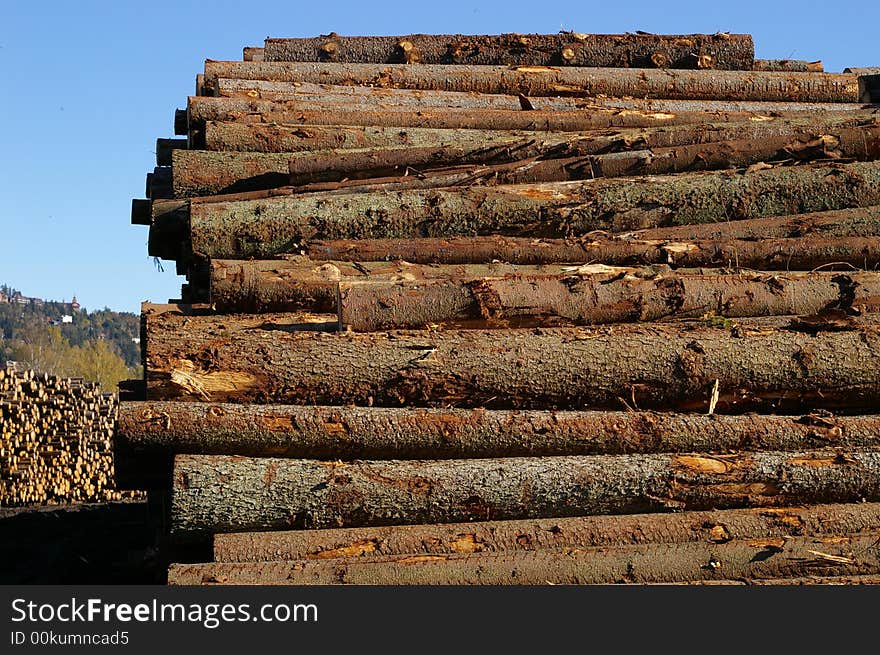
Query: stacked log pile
column 517, row 309
column 56, row 440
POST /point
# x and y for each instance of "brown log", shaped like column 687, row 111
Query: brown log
column 557, row 210
column 595, row 294
column 300, row 283
column 346, row 433
column 761, row 558
column 776, row 364
column 788, row 65
column 548, row 534
column 551, row 81
column 560, row 158
column 723, row 52
column 802, row 253
column 203, row 109
column 215, row 493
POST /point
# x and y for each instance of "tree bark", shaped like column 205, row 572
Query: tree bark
column 300, row 283
column 803, row 253
column 299, row 94
column 214, row 493
column 346, row 433
column 555, row 162
column 853, row 222
column 613, row 295
column 559, row 158
column 770, row 364
column 266, row 228
column 762, row 558
column 788, row 66
column 258, row 137
column 253, row 53
column 723, row 52
column 550, row 81
column 718, row 526
column 657, row 114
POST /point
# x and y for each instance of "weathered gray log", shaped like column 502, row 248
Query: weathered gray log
column 770, row 364
column 761, row 558
column 718, row 51
column 273, row 226
column 551, row 81
column 215, row 493
column 345, row 433
column 591, row 117
column 545, row 534
column 258, row 137
column 591, row 294
column 299, row 283
column 789, row 65
column 164, row 148
column 800, row 253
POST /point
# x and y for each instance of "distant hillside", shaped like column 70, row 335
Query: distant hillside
column 69, row 339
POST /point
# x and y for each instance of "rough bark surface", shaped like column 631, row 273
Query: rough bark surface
column 272, row 226
column 299, row 283
column 771, row 364
column 260, row 137
column 803, row 253
column 552, row 81
column 718, row 526
column 346, row 433
column 215, row 493
column 588, row 117
column 761, row 558
column 788, row 65
column 727, row 51
column 591, row 294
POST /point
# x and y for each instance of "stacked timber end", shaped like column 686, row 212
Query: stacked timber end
column 516, row 309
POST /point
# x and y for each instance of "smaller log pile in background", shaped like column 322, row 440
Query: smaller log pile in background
column 56, row 440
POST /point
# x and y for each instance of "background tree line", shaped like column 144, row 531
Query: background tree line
column 97, row 346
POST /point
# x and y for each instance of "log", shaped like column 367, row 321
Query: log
column 252, row 53
column 215, row 493
column 259, row 137
column 761, row 558
column 552, row 81
column 345, row 433
column 548, row 534
column 558, row 210
column 560, row 158
column 763, row 364
column 203, row 109
column 717, row 51
column 300, row 283
column 592, row 295
column 789, row 65
column 555, row 163
column 164, row 148
column 853, row 222
column 335, row 96
column 802, row 253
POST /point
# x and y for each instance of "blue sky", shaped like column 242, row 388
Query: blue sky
column 87, row 87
